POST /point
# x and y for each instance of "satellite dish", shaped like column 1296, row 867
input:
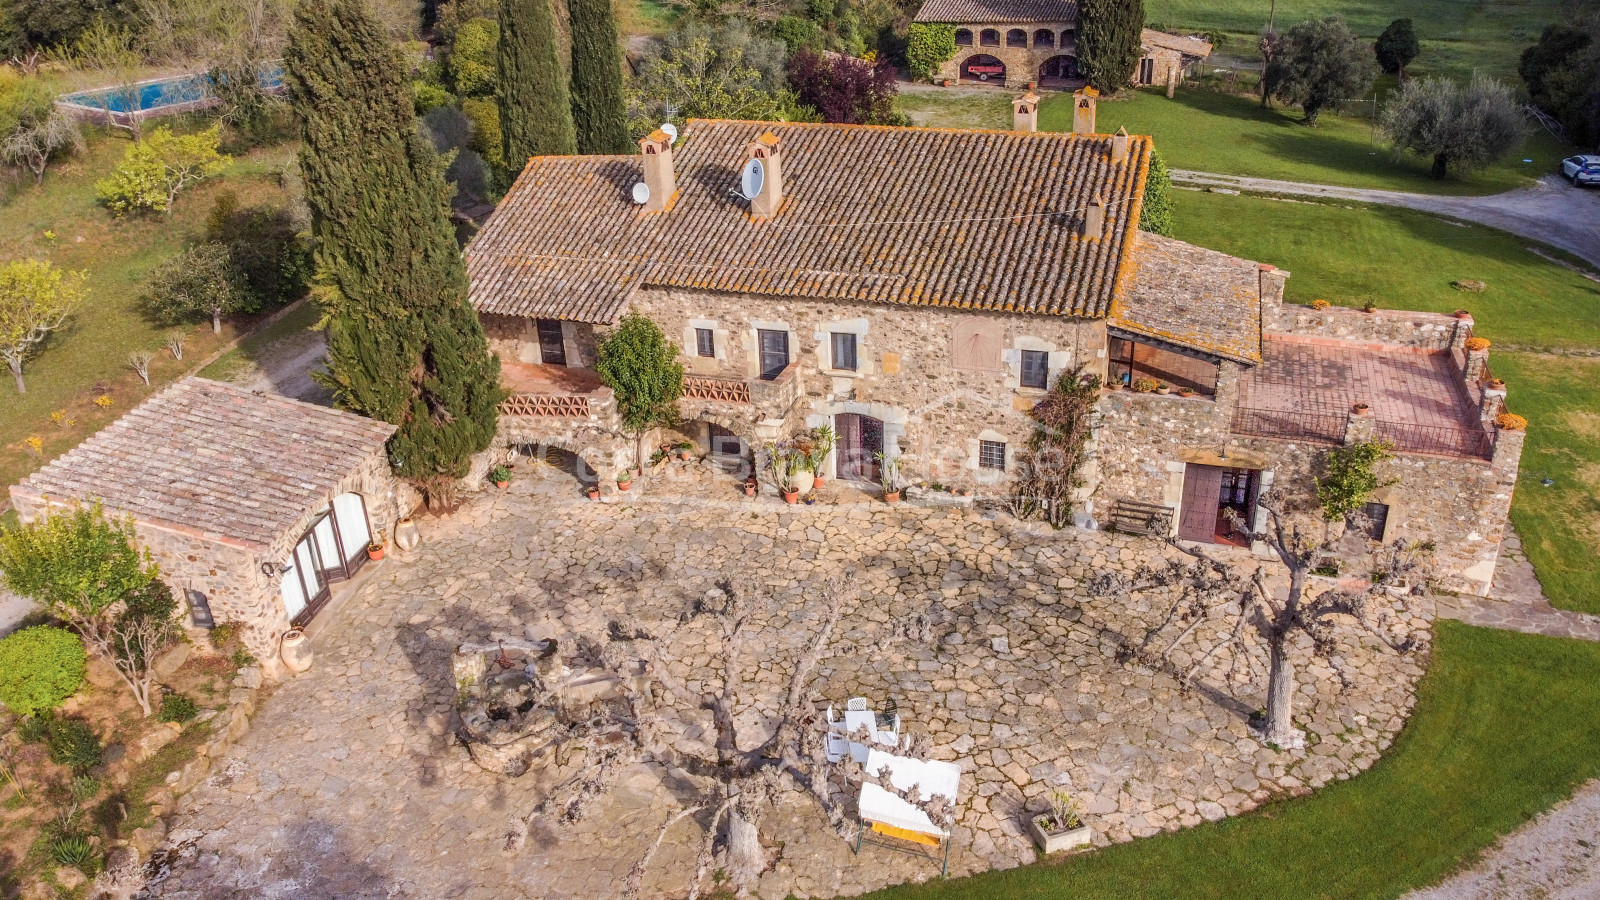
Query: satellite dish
column 671, row 130
column 751, row 179
column 641, row 193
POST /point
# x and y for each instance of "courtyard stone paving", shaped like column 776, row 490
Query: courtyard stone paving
column 352, row 786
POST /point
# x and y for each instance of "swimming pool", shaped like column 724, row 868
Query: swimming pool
column 157, row 97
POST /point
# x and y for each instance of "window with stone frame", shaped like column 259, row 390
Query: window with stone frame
column 1035, row 369
column 844, row 351
column 1372, row 519
column 705, row 342
column 992, row 455
column 1132, row 360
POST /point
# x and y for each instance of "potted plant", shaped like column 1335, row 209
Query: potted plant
column 751, row 486
column 624, row 481
column 889, row 476
column 823, row 440
column 1061, row 827
column 1185, row 392
column 686, row 450
column 501, row 476
column 1163, row 388
column 1370, row 308
column 782, row 463
column 593, row 492
column 375, row 550
column 1362, row 409
column 1144, row 385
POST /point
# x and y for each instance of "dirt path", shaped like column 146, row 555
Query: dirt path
column 1552, row 211
column 1551, row 858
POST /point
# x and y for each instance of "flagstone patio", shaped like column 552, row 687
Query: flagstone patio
column 351, row 785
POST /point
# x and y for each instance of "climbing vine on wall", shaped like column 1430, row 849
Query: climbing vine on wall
column 1052, row 464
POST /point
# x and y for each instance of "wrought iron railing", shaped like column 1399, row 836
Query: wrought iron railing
column 1290, row 424
column 1439, row 440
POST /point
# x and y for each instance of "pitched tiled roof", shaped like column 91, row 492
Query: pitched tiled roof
column 1188, row 46
column 1192, row 297
column 980, row 11
column 970, row 219
column 215, row 459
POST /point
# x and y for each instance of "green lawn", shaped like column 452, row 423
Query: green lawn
column 1399, row 259
column 90, row 357
column 1232, row 135
column 1560, row 524
column 1505, row 725
column 1458, row 36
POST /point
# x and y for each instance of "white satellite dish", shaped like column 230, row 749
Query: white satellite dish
column 751, row 179
column 671, row 130
column 641, row 193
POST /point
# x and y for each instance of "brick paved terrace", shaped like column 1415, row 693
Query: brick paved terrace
column 1305, row 388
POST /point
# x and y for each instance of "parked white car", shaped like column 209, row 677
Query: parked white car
column 1583, row 169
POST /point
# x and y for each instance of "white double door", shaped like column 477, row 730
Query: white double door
column 331, row 551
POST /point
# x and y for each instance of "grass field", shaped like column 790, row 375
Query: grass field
column 1505, row 725
column 1457, row 36
column 90, row 357
column 1232, row 135
column 1560, row 524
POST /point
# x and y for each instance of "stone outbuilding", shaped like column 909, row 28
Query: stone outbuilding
column 1019, row 42
column 254, row 506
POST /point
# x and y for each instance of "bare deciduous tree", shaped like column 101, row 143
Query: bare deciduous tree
column 737, row 785
column 139, row 362
column 174, row 343
column 1215, row 605
column 33, row 144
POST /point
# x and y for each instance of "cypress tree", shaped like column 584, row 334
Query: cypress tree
column 535, row 108
column 597, row 111
column 403, row 344
column 1109, row 35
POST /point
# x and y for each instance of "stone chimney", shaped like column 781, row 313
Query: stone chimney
column 658, row 175
column 1119, row 146
column 1083, row 110
column 1094, row 220
column 1025, row 112
column 766, row 148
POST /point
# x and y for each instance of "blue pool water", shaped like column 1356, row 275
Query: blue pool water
column 164, row 92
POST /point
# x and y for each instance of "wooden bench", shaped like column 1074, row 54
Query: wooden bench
column 1138, row 517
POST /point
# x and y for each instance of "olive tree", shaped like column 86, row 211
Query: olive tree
column 1316, row 64
column 36, row 300
column 201, row 282
column 1462, row 128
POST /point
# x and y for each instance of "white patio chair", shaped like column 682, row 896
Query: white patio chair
column 836, row 746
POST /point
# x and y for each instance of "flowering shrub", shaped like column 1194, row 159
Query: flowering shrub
column 1477, row 343
column 103, row 401
column 35, row 444
column 1511, row 421
column 845, row 90
column 1319, row 304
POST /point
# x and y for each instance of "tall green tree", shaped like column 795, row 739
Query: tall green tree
column 598, row 112
column 1155, row 214
column 1397, row 47
column 404, row 346
column 1462, row 127
column 640, row 364
column 535, row 106
column 1109, row 33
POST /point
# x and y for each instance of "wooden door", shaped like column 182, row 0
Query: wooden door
column 552, row 349
column 1202, row 489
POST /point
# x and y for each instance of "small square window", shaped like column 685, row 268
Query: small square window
column 992, row 455
column 1035, row 369
column 844, row 351
column 705, row 342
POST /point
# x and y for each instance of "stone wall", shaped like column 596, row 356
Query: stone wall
column 516, row 339
column 1388, row 327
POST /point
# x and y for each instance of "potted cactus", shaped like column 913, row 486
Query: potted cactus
column 889, row 476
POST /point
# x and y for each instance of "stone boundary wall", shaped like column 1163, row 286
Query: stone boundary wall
column 1385, row 327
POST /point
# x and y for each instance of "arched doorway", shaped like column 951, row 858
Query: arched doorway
column 983, row 67
column 860, row 443
column 1058, row 69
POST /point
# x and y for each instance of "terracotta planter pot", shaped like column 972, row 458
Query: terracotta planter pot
column 295, row 651
column 374, row 552
column 891, row 496
column 791, row 496
column 817, row 482
column 502, row 485
column 406, row 536
column 624, row 485
column 685, row 455
column 593, row 493
column 749, row 490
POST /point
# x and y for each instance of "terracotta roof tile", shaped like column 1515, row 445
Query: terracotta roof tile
column 1193, row 297
column 1189, row 46
column 215, row 459
column 981, row 11
column 969, row 219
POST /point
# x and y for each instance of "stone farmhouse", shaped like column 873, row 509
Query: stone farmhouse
column 1034, row 42
column 253, row 506
column 918, row 290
